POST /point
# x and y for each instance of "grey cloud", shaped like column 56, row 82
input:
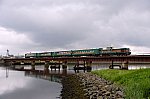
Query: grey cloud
column 76, row 23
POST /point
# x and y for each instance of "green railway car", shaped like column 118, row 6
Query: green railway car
column 62, row 53
column 32, row 55
column 109, row 51
column 45, row 54
column 87, row 52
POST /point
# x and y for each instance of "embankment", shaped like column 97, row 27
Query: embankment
column 89, row 86
column 136, row 83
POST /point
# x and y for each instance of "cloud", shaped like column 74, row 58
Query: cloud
column 65, row 24
column 12, row 40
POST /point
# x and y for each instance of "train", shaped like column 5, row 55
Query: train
column 109, row 51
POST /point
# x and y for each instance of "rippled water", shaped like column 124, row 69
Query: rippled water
column 39, row 84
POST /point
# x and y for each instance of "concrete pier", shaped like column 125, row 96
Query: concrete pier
column 33, row 65
column 64, row 65
column 83, row 65
column 125, row 65
column 46, row 66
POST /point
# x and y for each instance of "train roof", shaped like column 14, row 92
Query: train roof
column 79, row 50
column 87, row 49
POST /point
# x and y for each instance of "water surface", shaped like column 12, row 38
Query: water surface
column 40, row 84
column 15, row 85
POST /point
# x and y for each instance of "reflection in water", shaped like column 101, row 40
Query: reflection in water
column 54, row 76
column 18, row 86
column 7, row 71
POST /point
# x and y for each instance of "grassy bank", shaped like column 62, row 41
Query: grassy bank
column 135, row 82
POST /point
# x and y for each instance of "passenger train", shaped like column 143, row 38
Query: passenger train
column 109, row 51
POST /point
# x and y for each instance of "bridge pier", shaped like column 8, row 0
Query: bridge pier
column 83, row 65
column 125, row 65
column 89, row 64
column 55, row 65
column 46, row 66
column 33, row 65
column 112, row 65
column 64, row 65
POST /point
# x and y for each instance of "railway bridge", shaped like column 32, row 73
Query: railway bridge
column 85, row 60
column 130, row 59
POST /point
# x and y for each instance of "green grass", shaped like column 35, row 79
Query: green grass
column 136, row 83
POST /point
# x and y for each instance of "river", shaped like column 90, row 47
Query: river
column 39, row 84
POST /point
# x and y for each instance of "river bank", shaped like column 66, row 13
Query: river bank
column 136, row 83
column 89, row 86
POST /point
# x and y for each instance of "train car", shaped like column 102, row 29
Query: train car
column 45, row 54
column 32, row 55
column 87, row 52
column 109, row 51
column 62, row 54
column 122, row 51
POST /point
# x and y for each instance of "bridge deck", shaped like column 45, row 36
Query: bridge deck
column 135, row 58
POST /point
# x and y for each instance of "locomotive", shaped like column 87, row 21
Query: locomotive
column 109, row 51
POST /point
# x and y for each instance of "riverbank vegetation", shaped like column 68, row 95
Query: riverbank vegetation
column 136, row 83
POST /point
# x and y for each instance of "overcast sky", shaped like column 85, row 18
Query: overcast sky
column 50, row 25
